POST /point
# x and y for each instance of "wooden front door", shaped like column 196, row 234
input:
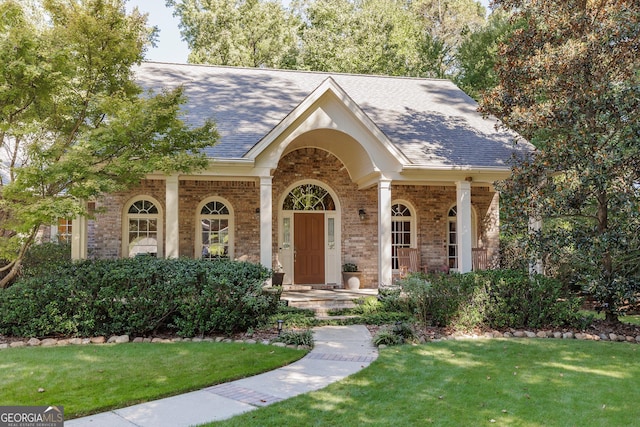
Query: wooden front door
column 308, row 229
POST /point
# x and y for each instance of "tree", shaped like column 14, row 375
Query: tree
column 477, row 55
column 569, row 82
column 445, row 25
column 368, row 37
column 73, row 122
column 249, row 33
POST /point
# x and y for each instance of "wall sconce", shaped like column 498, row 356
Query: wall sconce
column 280, row 322
column 362, row 214
column 257, row 211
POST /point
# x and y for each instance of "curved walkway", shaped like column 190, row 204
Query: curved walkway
column 339, row 351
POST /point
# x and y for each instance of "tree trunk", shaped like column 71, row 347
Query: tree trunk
column 606, row 261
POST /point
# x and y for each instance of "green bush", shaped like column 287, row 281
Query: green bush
column 397, row 334
column 138, row 296
column 493, row 299
column 304, row 337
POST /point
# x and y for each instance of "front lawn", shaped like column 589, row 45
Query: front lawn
column 95, row 378
column 515, row 382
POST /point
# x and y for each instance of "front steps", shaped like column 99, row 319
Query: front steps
column 322, row 301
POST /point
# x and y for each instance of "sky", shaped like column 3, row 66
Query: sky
column 170, row 47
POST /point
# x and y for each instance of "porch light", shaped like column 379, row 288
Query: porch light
column 362, row 214
column 280, row 322
column 257, row 211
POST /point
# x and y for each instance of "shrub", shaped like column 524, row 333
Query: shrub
column 138, row 296
column 494, row 299
column 296, row 338
column 397, row 334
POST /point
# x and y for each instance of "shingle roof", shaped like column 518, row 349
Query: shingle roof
column 432, row 122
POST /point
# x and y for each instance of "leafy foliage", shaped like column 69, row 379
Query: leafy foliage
column 493, row 299
column 569, row 83
column 74, row 123
column 291, row 337
column 138, row 296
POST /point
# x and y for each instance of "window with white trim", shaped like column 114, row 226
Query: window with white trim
column 402, row 230
column 215, row 234
column 143, row 225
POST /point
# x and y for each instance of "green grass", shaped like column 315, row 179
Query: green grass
column 95, row 378
column 528, row 382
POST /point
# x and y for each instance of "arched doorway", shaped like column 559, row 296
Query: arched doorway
column 309, row 237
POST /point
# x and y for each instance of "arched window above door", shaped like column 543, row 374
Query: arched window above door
column 309, row 197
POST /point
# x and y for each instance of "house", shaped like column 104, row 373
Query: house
column 315, row 170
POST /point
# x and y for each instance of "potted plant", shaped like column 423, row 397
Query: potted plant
column 277, row 277
column 351, row 276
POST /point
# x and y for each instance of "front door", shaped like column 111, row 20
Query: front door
column 308, row 248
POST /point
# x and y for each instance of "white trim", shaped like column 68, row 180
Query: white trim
column 464, row 226
column 384, row 231
column 172, row 216
column 266, row 221
column 413, row 219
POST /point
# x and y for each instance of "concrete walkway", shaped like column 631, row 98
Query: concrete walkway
column 339, row 351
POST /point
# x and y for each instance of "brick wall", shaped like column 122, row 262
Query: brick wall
column 359, row 237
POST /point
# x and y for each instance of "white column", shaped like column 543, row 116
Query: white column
column 384, row 232
column 172, row 215
column 266, row 221
column 79, row 239
column 463, row 225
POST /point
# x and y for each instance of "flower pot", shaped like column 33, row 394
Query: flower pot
column 351, row 279
column 277, row 279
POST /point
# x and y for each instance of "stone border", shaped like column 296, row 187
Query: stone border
column 123, row 339
column 542, row 334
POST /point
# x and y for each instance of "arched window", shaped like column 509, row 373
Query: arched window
column 143, row 228
column 309, row 197
column 403, row 230
column 215, row 233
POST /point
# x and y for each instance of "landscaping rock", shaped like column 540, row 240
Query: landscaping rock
column 196, row 339
column 604, row 337
column 75, row 341
column 638, row 338
column 33, row 342
column 613, row 337
column 4, row 345
column 138, row 340
column 507, row 335
column 63, row 342
column 279, row 344
column 17, row 344
column 250, row 341
column 97, row 340
column 557, row 335
column 49, row 342
column 630, row 339
column 580, row 336
column 86, row 341
column 147, row 340
column 112, row 339
column 122, row 339
column 530, row 334
column 567, row 335
column 518, row 334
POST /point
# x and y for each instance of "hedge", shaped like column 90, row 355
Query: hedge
column 138, row 296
